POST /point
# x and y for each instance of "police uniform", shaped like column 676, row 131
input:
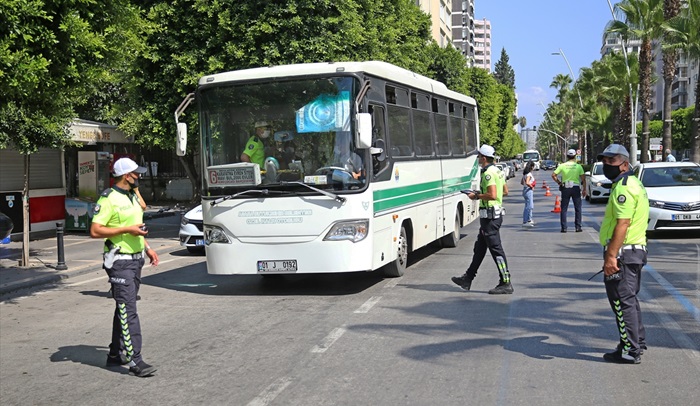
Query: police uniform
column 255, row 149
column 628, row 200
column 570, row 188
column 119, row 208
column 491, row 218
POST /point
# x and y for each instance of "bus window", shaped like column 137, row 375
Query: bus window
column 422, row 132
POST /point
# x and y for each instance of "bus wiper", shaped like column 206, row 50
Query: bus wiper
column 263, row 192
column 333, row 196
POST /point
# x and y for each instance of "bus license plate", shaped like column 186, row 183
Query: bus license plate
column 681, row 217
column 288, row 265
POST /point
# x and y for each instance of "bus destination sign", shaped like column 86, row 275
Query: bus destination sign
column 241, row 174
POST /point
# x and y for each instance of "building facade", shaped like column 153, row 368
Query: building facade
column 463, row 29
column 440, row 12
column 482, row 44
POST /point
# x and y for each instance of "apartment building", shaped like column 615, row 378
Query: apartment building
column 482, row 44
column 440, row 12
column 463, row 28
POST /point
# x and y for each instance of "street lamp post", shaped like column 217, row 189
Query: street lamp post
column 580, row 101
column 634, row 97
column 563, row 151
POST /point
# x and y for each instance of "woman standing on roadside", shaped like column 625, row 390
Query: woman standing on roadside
column 528, row 182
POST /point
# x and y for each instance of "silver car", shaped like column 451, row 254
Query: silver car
column 192, row 230
column 597, row 185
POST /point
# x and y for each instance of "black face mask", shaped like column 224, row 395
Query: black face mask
column 134, row 185
column 611, row 171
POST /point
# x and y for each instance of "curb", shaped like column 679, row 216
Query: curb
column 44, row 280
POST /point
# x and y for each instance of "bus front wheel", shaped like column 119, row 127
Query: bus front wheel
column 397, row 267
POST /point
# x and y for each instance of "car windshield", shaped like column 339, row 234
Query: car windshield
column 671, row 176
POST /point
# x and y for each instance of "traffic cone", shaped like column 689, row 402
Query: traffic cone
column 557, row 205
column 547, row 192
column 544, row 184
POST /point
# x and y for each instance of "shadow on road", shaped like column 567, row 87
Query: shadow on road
column 86, row 355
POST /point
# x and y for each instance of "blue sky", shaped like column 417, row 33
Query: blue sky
column 530, row 30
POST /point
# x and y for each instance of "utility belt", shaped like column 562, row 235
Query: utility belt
column 114, row 255
column 491, row 212
column 138, row 255
column 630, row 247
column 570, row 184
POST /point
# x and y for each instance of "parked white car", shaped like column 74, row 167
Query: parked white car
column 192, row 230
column 674, row 194
column 597, row 185
column 505, row 169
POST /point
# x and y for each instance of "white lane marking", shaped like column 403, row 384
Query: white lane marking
column 675, row 331
column 329, row 340
column 103, row 277
column 271, row 392
column 392, row 283
column 674, row 293
column 366, row 306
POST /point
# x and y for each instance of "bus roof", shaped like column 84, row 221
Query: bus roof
column 380, row 69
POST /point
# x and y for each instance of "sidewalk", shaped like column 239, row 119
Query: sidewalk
column 80, row 255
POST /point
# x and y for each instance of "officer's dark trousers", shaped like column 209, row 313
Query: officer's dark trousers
column 125, row 277
column 566, row 194
column 622, row 295
column 489, row 238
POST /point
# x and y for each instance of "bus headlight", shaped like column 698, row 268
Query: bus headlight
column 355, row 231
column 214, row 234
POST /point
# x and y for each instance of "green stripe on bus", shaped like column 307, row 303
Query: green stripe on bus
column 403, row 196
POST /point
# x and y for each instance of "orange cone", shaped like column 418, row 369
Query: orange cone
column 547, row 192
column 544, row 184
column 557, row 205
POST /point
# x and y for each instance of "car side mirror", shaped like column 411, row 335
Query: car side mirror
column 587, row 173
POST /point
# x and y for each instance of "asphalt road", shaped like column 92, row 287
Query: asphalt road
column 360, row 339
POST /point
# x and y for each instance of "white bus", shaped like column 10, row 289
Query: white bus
column 364, row 164
column 532, row 155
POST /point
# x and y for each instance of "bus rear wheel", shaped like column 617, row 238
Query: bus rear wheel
column 397, row 267
column 452, row 239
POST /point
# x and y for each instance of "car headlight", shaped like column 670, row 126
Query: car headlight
column 214, row 234
column 599, row 184
column 354, row 231
column 656, row 203
column 185, row 221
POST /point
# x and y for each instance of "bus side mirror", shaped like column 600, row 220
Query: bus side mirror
column 363, row 124
column 181, row 139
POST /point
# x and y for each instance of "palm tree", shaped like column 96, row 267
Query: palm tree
column 643, row 19
column 561, row 82
column 684, row 32
column 671, row 10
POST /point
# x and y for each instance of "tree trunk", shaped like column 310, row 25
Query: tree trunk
column 645, row 64
column 196, row 191
column 669, row 69
column 694, row 136
column 25, row 214
column 671, row 10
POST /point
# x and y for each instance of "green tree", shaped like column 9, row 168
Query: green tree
column 643, row 19
column 55, row 55
column 484, row 89
column 503, row 72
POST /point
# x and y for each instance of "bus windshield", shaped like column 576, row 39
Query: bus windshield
column 531, row 156
column 296, row 131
